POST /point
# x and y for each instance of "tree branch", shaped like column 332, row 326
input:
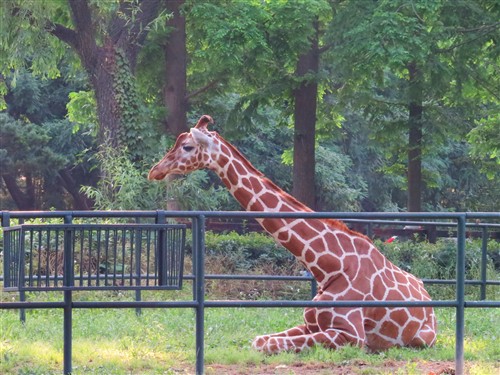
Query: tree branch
column 129, row 26
column 201, row 90
column 63, row 33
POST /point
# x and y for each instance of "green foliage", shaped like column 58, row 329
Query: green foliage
column 195, row 192
column 26, row 146
column 485, row 142
column 341, row 190
column 82, row 111
column 135, row 131
column 245, row 253
column 123, row 186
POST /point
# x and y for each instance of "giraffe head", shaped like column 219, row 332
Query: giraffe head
column 190, row 152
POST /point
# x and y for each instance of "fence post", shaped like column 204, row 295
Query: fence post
column 68, row 296
column 199, row 249
column 460, row 291
column 484, row 261
column 138, row 248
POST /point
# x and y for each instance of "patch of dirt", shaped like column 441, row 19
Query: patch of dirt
column 350, row 368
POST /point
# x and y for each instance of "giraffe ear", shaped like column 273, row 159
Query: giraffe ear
column 200, row 137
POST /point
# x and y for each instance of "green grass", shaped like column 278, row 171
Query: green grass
column 117, row 341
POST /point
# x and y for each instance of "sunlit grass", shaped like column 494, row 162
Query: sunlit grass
column 117, row 341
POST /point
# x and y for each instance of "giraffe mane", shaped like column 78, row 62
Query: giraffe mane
column 336, row 224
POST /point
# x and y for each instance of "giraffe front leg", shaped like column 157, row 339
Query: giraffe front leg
column 261, row 342
column 331, row 338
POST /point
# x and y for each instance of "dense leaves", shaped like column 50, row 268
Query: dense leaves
column 407, row 91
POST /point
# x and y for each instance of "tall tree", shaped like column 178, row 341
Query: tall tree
column 106, row 36
column 175, row 89
column 432, row 50
column 304, row 142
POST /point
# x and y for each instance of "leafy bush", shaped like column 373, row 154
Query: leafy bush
column 438, row 261
column 245, row 253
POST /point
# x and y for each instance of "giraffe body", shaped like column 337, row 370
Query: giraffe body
column 346, row 264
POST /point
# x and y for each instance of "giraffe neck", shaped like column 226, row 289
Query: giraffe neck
column 319, row 244
column 249, row 186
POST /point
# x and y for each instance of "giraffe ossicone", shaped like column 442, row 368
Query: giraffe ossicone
column 346, row 264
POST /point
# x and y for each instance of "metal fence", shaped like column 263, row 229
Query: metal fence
column 146, row 252
column 53, row 257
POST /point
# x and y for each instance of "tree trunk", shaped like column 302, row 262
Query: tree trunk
column 108, row 111
column 125, row 31
column 175, row 96
column 415, row 110
column 80, row 200
column 25, row 201
column 305, row 97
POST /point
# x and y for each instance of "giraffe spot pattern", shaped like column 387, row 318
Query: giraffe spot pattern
column 346, row 264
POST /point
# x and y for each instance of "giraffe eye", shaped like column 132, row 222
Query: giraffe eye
column 188, row 148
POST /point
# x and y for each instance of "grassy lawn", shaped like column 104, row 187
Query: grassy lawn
column 162, row 341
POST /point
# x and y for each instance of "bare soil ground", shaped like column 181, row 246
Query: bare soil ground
column 352, row 368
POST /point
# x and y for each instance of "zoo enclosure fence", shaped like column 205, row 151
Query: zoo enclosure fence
column 147, row 252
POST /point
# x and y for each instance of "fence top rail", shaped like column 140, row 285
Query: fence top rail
column 93, row 226
column 245, row 214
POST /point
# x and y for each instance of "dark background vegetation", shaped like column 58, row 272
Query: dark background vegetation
column 348, row 104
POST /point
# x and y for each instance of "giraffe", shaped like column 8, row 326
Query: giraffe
column 346, row 264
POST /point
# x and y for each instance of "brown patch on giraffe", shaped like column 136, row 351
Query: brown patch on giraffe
column 351, row 264
column 378, row 288
column 324, row 318
column 309, row 256
column 231, row 175
column 318, row 245
column 331, row 241
column 318, row 273
column 270, row 200
column 390, row 329
column 247, row 184
column 404, row 290
column 329, row 263
column 410, row 330
column 394, row 295
column 416, row 313
column 256, row 185
column 258, row 206
column 242, row 195
column 362, row 283
column 223, row 160
column 272, row 225
column 399, row 315
column 345, row 243
column 354, row 295
column 224, row 149
column 304, row 230
column 240, row 169
column 362, row 246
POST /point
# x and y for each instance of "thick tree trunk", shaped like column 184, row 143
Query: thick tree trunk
column 126, row 32
column 415, row 109
column 80, row 201
column 25, row 201
column 305, row 97
column 175, row 96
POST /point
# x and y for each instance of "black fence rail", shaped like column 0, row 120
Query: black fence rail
column 113, row 261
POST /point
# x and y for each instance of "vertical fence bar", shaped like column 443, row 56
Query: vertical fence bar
column 22, row 292
column 138, row 251
column 68, row 296
column 199, row 249
column 484, row 261
column 460, row 290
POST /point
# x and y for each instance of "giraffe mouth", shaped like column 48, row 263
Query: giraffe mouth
column 154, row 174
